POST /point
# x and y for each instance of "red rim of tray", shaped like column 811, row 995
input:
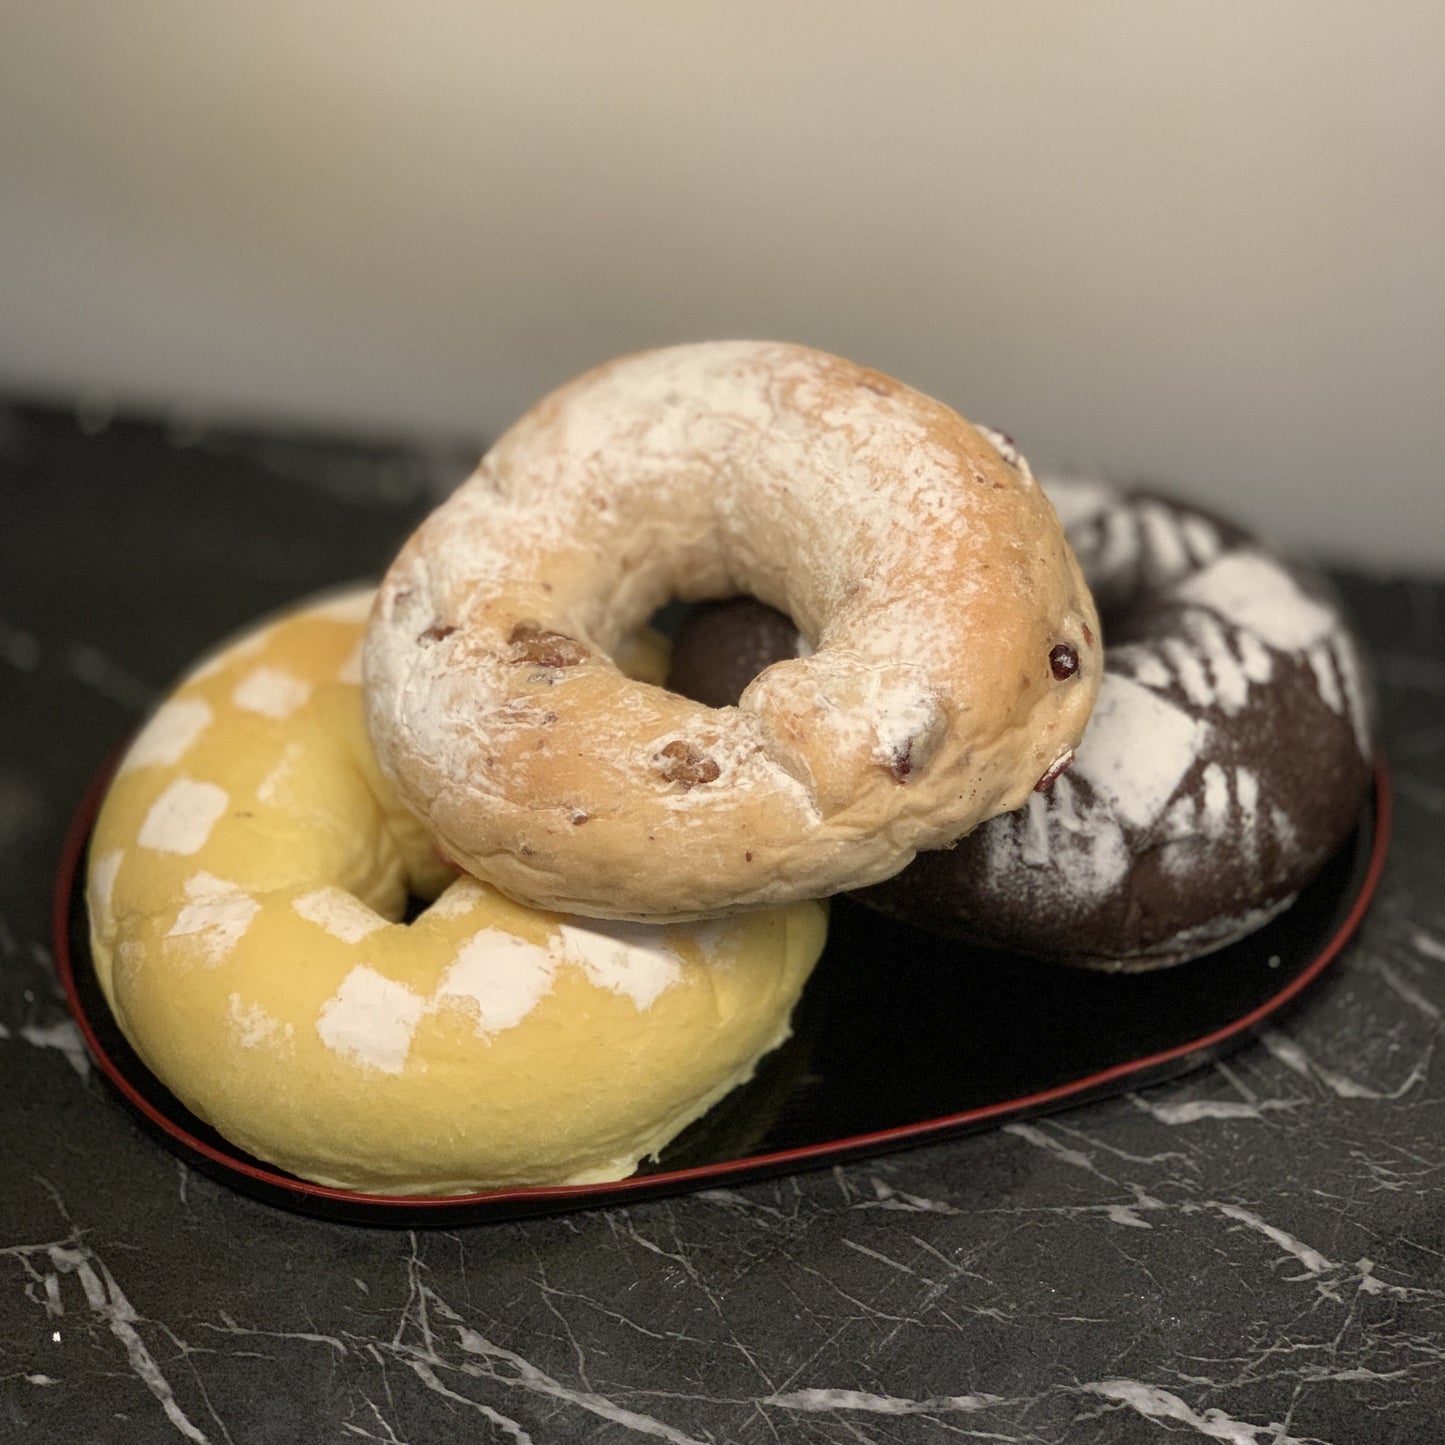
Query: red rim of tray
column 290, row 1191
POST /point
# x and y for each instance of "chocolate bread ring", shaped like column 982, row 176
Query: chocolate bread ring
column 1227, row 758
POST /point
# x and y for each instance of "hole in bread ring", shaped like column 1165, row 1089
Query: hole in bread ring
column 926, row 568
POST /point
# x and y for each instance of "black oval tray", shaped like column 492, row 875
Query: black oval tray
column 901, row 1038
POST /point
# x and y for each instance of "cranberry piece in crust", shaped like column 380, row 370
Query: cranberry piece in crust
column 1063, row 662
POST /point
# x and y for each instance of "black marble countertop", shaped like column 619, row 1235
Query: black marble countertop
column 1254, row 1253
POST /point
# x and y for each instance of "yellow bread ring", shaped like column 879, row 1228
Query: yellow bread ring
column 246, row 874
column 925, row 568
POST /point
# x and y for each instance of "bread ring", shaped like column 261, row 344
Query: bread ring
column 246, row 875
column 927, row 570
column 1228, row 756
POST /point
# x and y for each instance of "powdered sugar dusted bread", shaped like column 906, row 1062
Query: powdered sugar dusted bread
column 247, row 880
column 1228, row 755
column 953, row 656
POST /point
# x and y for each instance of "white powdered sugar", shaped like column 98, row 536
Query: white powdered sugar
column 102, row 886
column 1159, row 783
column 168, row 736
column 504, row 976
column 1212, row 664
column 271, row 692
column 1007, row 448
column 1078, row 500
column 717, row 940
column 1327, row 682
column 1181, row 821
column 1133, row 535
column 1228, row 807
column 907, row 721
column 1083, row 849
column 1337, row 679
column 459, row 898
column 343, row 915
column 1136, row 749
column 1214, row 812
column 1201, row 537
column 1171, row 543
column 1229, row 683
column 1356, row 702
column 216, row 917
column 1284, row 828
column 181, row 819
column 271, row 788
column 633, row 959
column 1037, row 846
column 1269, row 609
column 370, row 1020
column 1189, row 670
column 693, row 472
column 1254, row 657
column 1250, row 591
column 1246, row 797
column 1165, row 541
column 1143, row 664
column 252, row 1025
column 1119, row 546
column 498, row 977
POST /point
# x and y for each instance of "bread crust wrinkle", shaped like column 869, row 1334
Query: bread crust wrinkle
column 925, row 567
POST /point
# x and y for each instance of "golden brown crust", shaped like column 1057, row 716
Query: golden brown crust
column 927, row 570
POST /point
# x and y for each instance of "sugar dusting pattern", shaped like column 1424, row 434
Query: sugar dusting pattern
column 181, row 819
column 703, row 471
column 168, row 736
column 370, row 1019
column 216, row 916
column 1153, row 770
column 499, row 978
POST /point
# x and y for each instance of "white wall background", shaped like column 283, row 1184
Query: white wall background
column 1203, row 241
